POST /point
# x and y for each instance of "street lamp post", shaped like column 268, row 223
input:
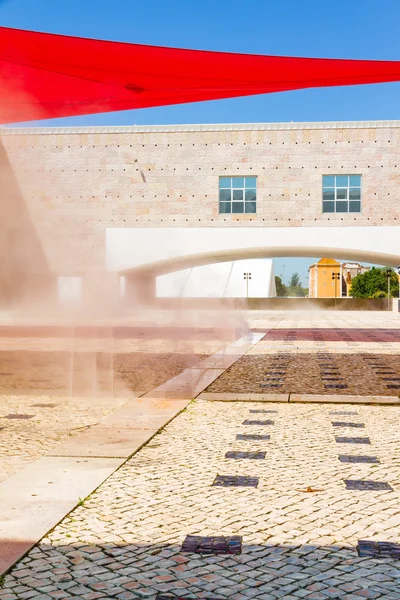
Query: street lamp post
column 389, row 276
column 335, row 277
column 246, row 277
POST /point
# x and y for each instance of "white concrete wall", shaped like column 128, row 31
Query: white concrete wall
column 220, row 280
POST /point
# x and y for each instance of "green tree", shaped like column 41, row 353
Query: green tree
column 374, row 284
column 294, row 281
column 281, row 289
column 297, row 291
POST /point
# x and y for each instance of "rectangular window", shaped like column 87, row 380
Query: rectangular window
column 237, row 195
column 341, row 193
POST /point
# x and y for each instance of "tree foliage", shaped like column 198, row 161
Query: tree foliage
column 291, row 290
column 294, row 281
column 281, row 289
column 374, row 284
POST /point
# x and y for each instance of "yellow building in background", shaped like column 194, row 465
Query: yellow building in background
column 321, row 283
column 329, row 278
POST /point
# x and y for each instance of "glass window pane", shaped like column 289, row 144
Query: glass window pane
column 238, row 182
column 355, row 180
column 328, row 207
column 341, row 193
column 250, row 207
column 224, row 182
column 238, row 207
column 328, row 180
column 251, row 194
column 251, row 182
column 355, row 193
column 354, row 206
column 342, row 207
column 224, row 207
column 329, row 194
column 225, row 195
column 237, row 194
column 342, row 180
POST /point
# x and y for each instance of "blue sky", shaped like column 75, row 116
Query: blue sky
column 341, row 29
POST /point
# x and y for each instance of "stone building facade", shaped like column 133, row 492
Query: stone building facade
column 77, row 182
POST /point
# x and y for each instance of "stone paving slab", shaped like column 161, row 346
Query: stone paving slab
column 339, row 399
column 232, row 397
column 103, row 442
column 40, row 495
column 186, row 385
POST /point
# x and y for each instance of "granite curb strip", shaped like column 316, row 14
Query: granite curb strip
column 297, row 398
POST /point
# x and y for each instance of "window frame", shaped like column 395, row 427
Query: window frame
column 336, row 202
column 237, row 205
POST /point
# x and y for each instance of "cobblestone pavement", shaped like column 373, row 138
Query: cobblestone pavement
column 281, row 370
column 36, row 385
column 347, row 353
column 44, row 422
column 125, row 541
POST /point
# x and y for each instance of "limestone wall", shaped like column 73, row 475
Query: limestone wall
column 77, row 182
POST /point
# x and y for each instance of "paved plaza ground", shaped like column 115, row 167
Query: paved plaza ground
column 314, row 480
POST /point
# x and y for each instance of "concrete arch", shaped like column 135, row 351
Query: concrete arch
column 157, row 251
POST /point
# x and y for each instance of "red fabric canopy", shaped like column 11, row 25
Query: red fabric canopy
column 44, row 75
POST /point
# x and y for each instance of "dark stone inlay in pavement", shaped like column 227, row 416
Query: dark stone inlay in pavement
column 393, row 386
column 346, row 424
column 220, row 544
column 18, row 416
column 251, row 455
column 352, row 440
column 275, row 373
column 378, row 549
column 257, row 422
column 262, row 410
column 161, row 596
column 235, row 481
column 271, row 385
column 252, row 436
column 385, row 373
column 390, row 378
column 348, row 458
column 340, row 386
column 39, row 405
column 332, row 378
column 332, row 372
column 343, row 412
column 362, row 484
